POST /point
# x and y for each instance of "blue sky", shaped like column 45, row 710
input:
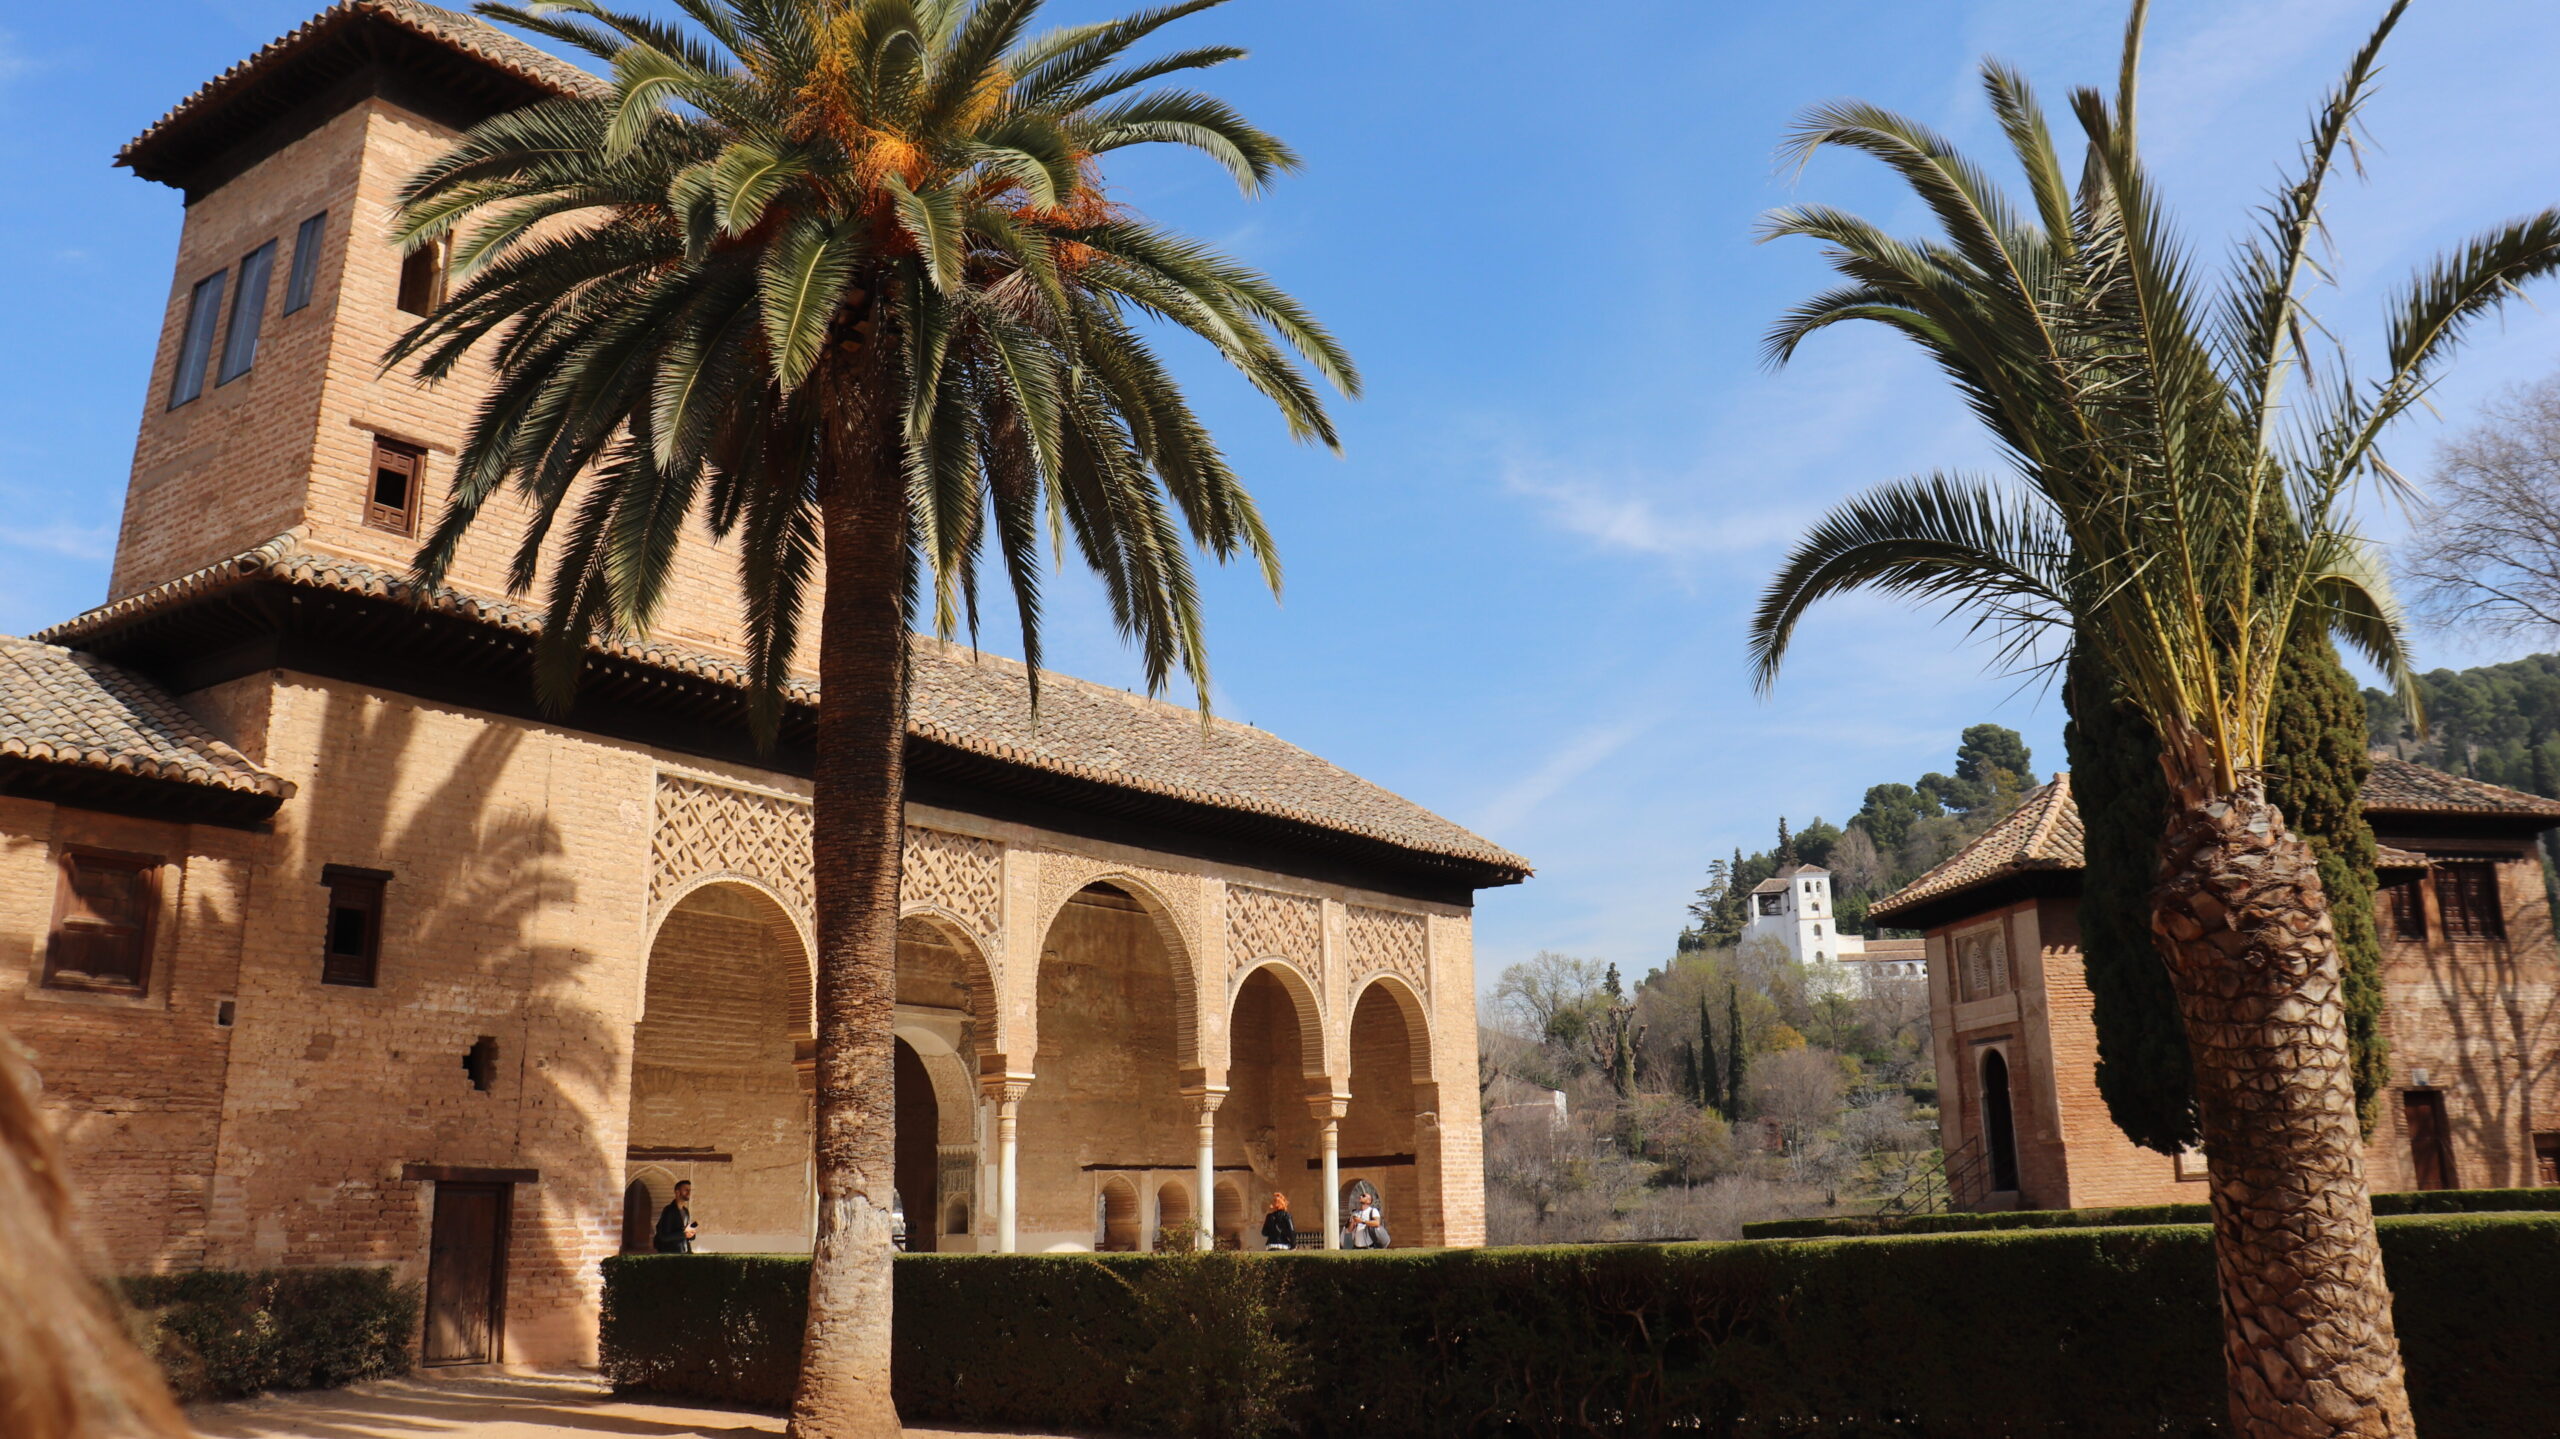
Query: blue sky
column 1519, row 596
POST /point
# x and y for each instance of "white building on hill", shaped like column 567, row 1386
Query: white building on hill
column 1794, row 909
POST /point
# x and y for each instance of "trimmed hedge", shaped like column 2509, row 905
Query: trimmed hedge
column 2088, row 1332
column 2419, row 1201
column 221, row 1334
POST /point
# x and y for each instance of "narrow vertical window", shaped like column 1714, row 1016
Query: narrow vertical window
column 351, row 953
column 195, row 343
column 2408, row 908
column 248, row 305
column 306, row 262
column 102, row 923
column 2467, row 897
column 422, row 278
column 392, row 501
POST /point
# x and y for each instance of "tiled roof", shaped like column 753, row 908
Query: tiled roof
column 980, row 705
column 61, row 707
column 2043, row 832
column 2399, row 787
column 461, row 33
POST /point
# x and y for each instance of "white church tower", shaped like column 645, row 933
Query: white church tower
column 1795, row 909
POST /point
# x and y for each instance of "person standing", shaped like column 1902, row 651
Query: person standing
column 1279, row 1231
column 1368, row 1222
column 676, row 1228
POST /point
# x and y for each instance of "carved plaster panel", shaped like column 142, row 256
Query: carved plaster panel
column 711, row 829
column 959, row 874
column 1062, row 874
column 1265, row 924
column 1388, row 940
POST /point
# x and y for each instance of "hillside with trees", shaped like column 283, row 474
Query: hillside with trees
column 2499, row 723
column 1899, row 832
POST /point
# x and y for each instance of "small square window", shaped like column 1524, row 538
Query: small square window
column 422, row 278
column 306, row 262
column 2467, row 897
column 351, row 949
column 102, row 912
column 391, row 496
column 2408, row 907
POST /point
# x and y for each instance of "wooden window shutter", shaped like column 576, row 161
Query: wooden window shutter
column 103, row 908
column 391, row 496
column 351, row 944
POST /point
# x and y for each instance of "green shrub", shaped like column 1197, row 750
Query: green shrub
column 2424, row 1201
column 2088, row 1332
column 221, row 1334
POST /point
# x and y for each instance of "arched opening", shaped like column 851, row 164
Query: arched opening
column 1999, row 1123
column 1381, row 1133
column 944, row 1021
column 639, row 1218
column 1115, row 1217
column 1275, row 1055
column 1109, row 1092
column 1229, row 1220
column 1173, row 1216
column 716, row 1087
column 917, row 1149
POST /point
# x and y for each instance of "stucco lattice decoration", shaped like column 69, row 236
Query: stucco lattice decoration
column 1264, row 924
column 1384, row 939
column 714, row 829
column 710, row 829
column 959, row 874
column 1062, row 874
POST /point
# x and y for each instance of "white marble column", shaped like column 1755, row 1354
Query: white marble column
column 1204, row 1203
column 1006, row 1094
column 1328, row 1110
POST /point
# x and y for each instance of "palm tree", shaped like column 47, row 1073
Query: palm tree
column 842, row 277
column 2179, row 516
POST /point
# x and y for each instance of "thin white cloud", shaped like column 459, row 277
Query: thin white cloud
column 1580, row 755
column 1640, row 514
column 77, row 542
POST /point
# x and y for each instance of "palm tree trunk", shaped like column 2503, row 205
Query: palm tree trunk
column 859, row 814
column 2308, row 1343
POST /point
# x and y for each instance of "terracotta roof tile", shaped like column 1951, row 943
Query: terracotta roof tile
column 979, row 704
column 58, row 706
column 2043, row 832
column 463, row 33
column 2399, row 787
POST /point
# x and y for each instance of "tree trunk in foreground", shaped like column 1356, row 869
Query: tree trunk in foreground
column 859, row 814
column 2308, row 1343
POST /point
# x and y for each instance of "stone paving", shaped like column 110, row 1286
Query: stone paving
column 496, row 1404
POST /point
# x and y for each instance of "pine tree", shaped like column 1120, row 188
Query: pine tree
column 1786, row 844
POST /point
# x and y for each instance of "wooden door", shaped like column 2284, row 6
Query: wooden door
column 467, row 1274
column 2430, row 1140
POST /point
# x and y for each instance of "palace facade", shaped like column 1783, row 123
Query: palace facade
column 332, row 948
column 2471, row 1003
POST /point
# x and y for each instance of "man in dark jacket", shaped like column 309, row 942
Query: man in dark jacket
column 675, row 1222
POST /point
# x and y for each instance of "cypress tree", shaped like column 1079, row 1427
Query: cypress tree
column 2143, row 1070
column 2318, row 737
column 2318, row 740
column 1733, row 1052
column 1707, row 1074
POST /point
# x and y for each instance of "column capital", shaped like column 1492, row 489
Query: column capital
column 1205, row 1097
column 1328, row 1108
column 1005, row 1088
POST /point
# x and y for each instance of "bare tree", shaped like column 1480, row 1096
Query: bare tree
column 1545, row 998
column 2486, row 549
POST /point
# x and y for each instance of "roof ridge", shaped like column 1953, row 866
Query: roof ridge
column 292, row 559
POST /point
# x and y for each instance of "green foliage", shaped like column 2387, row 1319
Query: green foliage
column 2091, row 1332
column 1223, row 1363
column 2318, row 767
column 2419, row 1201
column 2315, row 775
column 2499, row 723
column 725, row 1327
column 1890, row 810
column 224, row 1334
column 2143, row 1069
